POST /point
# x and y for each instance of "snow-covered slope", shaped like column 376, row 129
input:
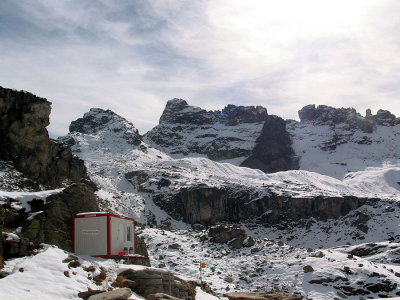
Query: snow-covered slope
column 131, row 176
column 336, row 150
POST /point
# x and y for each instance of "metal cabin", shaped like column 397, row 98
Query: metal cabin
column 103, row 234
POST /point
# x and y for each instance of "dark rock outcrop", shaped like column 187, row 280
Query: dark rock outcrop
column 206, row 205
column 24, row 140
column 140, row 246
column 232, row 235
column 54, row 225
column 273, row 151
column 178, row 111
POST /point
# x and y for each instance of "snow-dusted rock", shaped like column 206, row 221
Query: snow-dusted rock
column 98, row 119
column 229, row 134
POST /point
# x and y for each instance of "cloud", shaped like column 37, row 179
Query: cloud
column 132, row 56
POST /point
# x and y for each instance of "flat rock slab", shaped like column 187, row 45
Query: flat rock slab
column 123, row 293
column 160, row 296
column 261, row 296
column 87, row 294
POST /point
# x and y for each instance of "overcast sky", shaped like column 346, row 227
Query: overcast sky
column 132, row 56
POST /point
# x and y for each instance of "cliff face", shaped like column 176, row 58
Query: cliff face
column 208, row 206
column 244, row 135
column 273, row 151
column 24, row 140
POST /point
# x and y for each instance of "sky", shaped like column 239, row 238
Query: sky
column 132, row 56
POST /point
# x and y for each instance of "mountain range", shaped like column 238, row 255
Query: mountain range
column 313, row 203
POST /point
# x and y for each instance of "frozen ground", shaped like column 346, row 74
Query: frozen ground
column 48, row 275
column 336, row 272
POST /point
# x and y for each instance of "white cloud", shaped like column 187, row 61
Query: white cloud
column 133, row 56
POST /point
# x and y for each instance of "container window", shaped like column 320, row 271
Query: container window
column 128, row 233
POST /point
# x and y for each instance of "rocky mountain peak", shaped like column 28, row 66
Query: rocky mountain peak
column 98, row 119
column 224, row 134
column 323, row 114
column 386, row 118
column 177, row 111
column 243, row 114
column 326, row 115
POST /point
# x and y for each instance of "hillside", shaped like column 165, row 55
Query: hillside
column 309, row 207
column 285, row 213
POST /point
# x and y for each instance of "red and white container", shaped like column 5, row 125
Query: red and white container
column 103, row 234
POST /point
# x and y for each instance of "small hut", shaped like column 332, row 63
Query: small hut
column 103, row 234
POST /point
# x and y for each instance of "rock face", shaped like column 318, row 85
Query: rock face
column 54, row 225
column 25, row 141
column 273, row 151
column 209, row 206
column 220, row 135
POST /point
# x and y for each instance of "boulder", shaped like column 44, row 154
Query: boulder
column 232, row 235
column 308, row 269
column 122, row 293
column 85, row 295
column 153, row 281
